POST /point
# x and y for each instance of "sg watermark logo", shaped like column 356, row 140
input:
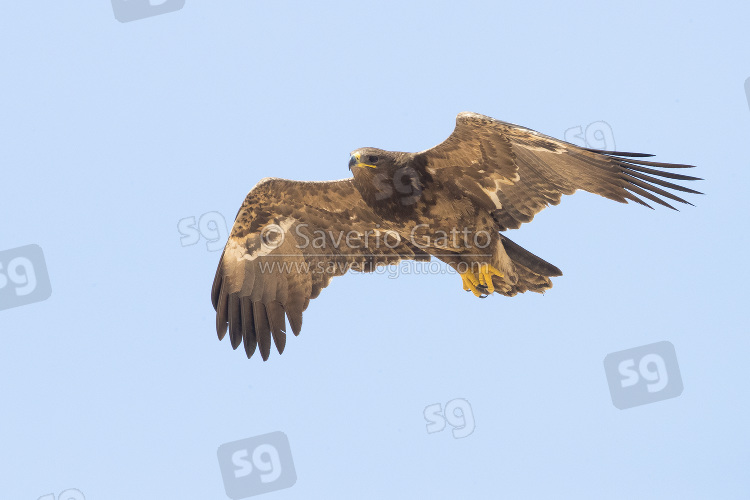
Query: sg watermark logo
column 596, row 135
column 210, row 226
column 643, row 375
column 132, row 10
column 256, row 465
column 458, row 414
column 405, row 182
column 69, row 494
column 23, row 277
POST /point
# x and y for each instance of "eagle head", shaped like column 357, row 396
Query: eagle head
column 368, row 158
column 386, row 178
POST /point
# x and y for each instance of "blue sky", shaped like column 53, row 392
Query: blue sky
column 112, row 133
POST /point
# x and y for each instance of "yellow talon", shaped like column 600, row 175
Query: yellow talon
column 473, row 282
column 470, row 282
column 486, row 272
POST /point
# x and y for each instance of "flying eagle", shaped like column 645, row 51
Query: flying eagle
column 452, row 201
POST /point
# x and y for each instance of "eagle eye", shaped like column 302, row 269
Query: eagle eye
column 372, row 159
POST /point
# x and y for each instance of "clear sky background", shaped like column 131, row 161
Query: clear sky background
column 112, row 133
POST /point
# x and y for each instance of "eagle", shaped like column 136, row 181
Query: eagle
column 452, row 202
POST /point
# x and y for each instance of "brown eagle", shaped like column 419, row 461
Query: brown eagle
column 452, row 202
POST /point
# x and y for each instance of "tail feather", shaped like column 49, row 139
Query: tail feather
column 530, row 273
column 527, row 282
column 520, row 255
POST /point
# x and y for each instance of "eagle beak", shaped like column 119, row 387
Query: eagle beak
column 355, row 161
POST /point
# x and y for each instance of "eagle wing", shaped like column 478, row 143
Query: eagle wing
column 516, row 172
column 288, row 240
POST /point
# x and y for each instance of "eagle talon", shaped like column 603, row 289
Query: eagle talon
column 486, row 272
column 470, row 283
column 481, row 286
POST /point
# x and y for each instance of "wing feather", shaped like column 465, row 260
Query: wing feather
column 288, row 241
column 248, row 326
column 235, row 321
column 530, row 171
column 262, row 329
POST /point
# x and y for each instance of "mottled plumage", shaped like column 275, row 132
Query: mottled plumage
column 291, row 237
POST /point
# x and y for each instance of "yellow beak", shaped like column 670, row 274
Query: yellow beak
column 356, row 161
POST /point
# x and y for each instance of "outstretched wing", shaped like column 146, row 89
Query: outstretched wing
column 516, row 172
column 289, row 239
